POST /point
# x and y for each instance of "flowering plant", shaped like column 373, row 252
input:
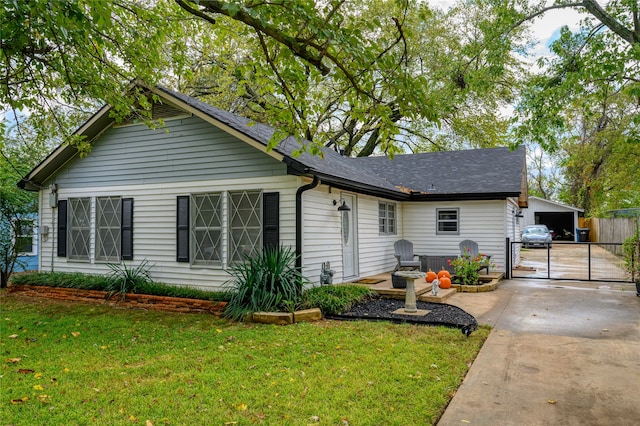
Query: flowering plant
column 466, row 267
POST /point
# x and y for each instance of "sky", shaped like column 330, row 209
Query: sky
column 545, row 28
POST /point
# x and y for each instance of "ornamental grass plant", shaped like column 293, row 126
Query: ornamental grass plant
column 267, row 281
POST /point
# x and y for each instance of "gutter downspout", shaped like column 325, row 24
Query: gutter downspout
column 299, row 192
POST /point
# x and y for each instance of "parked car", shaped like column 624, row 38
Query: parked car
column 536, row 235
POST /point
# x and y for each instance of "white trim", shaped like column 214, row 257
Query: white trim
column 556, row 203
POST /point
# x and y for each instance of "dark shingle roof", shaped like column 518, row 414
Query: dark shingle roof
column 474, row 173
column 332, row 164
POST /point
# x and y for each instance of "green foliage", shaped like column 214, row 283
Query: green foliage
column 334, row 299
column 376, row 76
column 104, row 283
column 64, row 279
column 631, row 250
column 268, row 281
column 584, row 107
column 126, row 279
column 466, row 268
column 68, row 52
column 96, row 364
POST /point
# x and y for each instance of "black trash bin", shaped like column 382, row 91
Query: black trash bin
column 582, row 234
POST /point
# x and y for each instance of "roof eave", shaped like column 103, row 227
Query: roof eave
column 463, row 196
column 91, row 128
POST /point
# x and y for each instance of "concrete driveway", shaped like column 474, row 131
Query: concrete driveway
column 572, row 261
column 560, row 353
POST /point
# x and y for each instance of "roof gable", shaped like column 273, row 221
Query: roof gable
column 472, row 174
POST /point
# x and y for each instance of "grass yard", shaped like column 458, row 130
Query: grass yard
column 68, row 363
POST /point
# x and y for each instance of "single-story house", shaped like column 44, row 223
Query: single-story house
column 194, row 196
column 556, row 216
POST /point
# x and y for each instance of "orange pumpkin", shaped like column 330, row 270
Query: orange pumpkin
column 445, row 282
column 443, row 273
column 431, row 276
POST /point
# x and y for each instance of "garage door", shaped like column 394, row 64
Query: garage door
column 558, row 222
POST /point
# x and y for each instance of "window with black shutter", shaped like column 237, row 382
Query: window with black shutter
column 271, row 219
column 126, row 229
column 62, row 228
column 182, row 229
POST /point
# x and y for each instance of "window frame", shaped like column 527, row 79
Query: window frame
column 72, row 227
column 233, row 249
column 98, row 239
column 387, row 225
column 194, row 231
column 227, row 245
column 440, row 221
column 18, row 227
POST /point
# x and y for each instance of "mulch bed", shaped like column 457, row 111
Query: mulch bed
column 380, row 309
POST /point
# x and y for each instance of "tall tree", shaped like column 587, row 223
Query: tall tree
column 371, row 76
column 17, row 157
column 55, row 53
column 585, row 105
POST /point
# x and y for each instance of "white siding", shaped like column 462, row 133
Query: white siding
column 154, row 224
column 486, row 222
column 376, row 250
column 480, row 221
column 322, row 239
column 513, row 228
column 187, row 149
column 321, row 233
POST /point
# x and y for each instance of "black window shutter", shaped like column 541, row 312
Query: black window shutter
column 62, row 228
column 182, row 229
column 126, row 229
column 271, row 219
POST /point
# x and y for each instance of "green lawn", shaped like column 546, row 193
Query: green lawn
column 68, row 363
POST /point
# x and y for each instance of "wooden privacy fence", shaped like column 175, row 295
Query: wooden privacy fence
column 615, row 230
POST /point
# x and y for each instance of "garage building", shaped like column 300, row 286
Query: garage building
column 557, row 216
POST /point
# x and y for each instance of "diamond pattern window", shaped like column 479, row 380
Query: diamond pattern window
column 108, row 213
column 206, row 230
column 245, row 224
column 79, row 228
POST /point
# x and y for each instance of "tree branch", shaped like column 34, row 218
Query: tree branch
column 297, row 47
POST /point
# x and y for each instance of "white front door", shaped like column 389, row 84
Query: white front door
column 349, row 240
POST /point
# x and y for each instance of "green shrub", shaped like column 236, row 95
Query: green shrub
column 63, row 279
column 334, row 299
column 631, row 250
column 125, row 279
column 161, row 289
column 268, row 281
column 103, row 283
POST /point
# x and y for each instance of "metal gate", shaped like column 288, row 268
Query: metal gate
column 569, row 261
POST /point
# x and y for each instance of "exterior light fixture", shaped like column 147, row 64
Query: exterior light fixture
column 343, row 207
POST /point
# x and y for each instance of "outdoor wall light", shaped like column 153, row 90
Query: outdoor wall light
column 53, row 196
column 343, row 207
